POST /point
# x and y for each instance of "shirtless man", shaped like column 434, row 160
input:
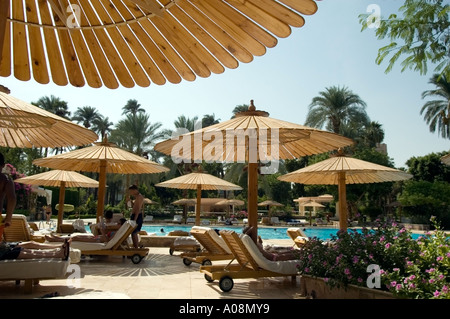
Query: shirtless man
column 7, row 191
column 136, row 213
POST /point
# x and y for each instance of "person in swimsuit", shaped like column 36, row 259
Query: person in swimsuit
column 274, row 256
column 136, row 213
column 33, row 250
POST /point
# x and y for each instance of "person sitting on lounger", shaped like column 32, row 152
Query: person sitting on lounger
column 34, row 250
column 274, row 256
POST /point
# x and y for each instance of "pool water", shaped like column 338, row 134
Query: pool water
column 264, row 232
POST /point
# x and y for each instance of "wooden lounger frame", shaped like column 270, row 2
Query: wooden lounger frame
column 211, row 250
column 247, row 267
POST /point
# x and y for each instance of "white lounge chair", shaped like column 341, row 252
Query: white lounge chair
column 148, row 219
column 116, row 246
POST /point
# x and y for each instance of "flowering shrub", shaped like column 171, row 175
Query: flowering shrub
column 22, row 190
column 427, row 275
column 408, row 268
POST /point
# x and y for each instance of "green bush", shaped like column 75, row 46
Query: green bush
column 408, row 268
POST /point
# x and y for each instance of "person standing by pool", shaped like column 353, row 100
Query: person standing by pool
column 137, row 213
column 8, row 192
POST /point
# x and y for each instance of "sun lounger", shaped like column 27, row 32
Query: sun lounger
column 184, row 244
column 19, row 230
column 251, row 263
column 148, row 219
column 213, row 247
column 298, row 236
column 33, row 270
column 116, row 246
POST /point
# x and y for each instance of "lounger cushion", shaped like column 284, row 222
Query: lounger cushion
column 215, row 237
column 185, row 241
column 48, row 268
column 286, row 267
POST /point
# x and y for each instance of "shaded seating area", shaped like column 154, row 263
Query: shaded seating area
column 250, row 263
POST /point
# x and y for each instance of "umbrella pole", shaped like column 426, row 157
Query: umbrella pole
column 253, row 199
column 342, row 201
column 101, row 190
column 199, row 202
column 62, row 192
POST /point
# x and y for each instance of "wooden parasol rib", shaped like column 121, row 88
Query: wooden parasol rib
column 139, row 42
column 25, row 125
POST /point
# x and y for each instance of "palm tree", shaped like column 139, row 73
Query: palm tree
column 132, row 107
column 183, row 122
column 209, row 119
column 56, row 106
column 53, row 104
column 437, row 112
column 239, row 108
column 136, row 134
column 102, row 126
column 373, row 134
column 336, row 107
column 86, row 115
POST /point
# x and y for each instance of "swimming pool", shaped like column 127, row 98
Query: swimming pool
column 264, row 232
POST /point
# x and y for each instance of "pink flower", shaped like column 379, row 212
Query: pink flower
column 347, row 271
column 393, row 283
column 387, row 246
column 436, row 293
column 439, row 258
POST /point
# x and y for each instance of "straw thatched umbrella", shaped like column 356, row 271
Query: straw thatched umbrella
column 137, row 42
column 232, row 202
column 61, row 179
column 270, row 203
column 199, row 181
column 311, row 204
column 254, row 137
column 446, row 159
column 341, row 170
column 103, row 158
column 23, row 125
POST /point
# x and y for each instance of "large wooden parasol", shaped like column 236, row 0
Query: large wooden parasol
column 23, row 125
column 341, row 170
column 137, row 42
column 103, row 158
column 61, row 179
column 251, row 137
column 199, row 182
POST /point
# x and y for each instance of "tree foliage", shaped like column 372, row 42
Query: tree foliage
column 421, row 35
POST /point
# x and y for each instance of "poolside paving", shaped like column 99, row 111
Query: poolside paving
column 158, row 276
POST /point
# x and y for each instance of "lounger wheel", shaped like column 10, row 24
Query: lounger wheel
column 136, row 259
column 208, row 278
column 226, row 284
column 170, row 251
column 187, row 262
column 206, row 262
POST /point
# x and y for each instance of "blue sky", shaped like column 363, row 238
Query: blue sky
column 330, row 50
